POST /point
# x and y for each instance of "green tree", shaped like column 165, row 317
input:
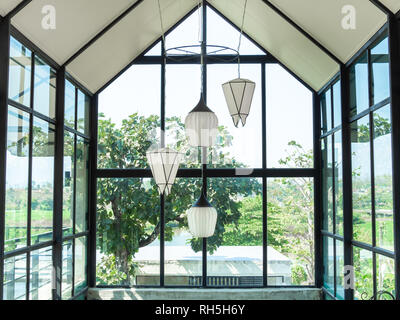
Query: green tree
column 128, row 209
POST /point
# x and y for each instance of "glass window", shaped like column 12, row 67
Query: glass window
column 227, row 35
column 82, row 184
column 69, row 104
column 329, row 264
column 327, row 184
column 68, row 178
column 14, row 286
column 128, row 212
column 291, row 230
column 183, row 253
column 338, row 176
column 385, row 276
column 363, row 276
column 17, row 179
column 327, row 111
column 178, row 103
column 41, row 267
column 44, row 89
column 83, row 112
column 339, row 269
column 380, row 71
column 185, row 34
column 67, row 267
column 235, row 252
column 80, row 264
column 243, row 144
column 337, row 104
column 359, row 89
column 383, row 178
column 19, row 88
column 289, row 120
column 42, row 181
column 361, row 172
column 129, row 117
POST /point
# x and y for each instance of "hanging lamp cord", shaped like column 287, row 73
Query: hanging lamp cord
column 241, row 35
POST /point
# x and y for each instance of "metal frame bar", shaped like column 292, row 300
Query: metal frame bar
column 18, row 8
column 347, row 175
column 302, row 31
column 58, row 185
column 4, row 71
column 394, row 57
column 318, row 240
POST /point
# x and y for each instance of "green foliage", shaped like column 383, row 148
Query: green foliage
column 128, row 209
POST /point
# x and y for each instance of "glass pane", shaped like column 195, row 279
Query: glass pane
column 82, row 184
column 383, row 178
column 338, row 176
column 361, row 172
column 329, row 264
column 236, row 147
column 289, row 120
column 291, row 230
column 380, row 71
column 14, row 287
column 327, row 184
column 227, row 35
column 339, row 269
column 359, row 92
column 364, row 286
column 128, row 212
column 235, row 252
column 185, row 34
column 328, row 110
column 385, row 276
column 80, row 264
column 69, row 113
column 19, row 88
column 42, row 181
column 179, row 101
column 44, row 89
column 155, row 51
column 129, row 117
column 337, row 104
column 41, row 274
column 68, row 178
column 67, row 262
column 17, row 179
column 183, row 253
column 83, row 112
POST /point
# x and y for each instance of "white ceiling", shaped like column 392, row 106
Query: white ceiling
column 7, row 5
column 78, row 21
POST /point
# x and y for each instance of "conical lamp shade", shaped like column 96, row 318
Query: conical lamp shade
column 239, row 96
column 164, row 164
column 201, row 126
column 202, row 218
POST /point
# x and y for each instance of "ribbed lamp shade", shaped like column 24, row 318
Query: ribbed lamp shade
column 201, row 126
column 202, row 218
column 239, row 96
column 164, row 164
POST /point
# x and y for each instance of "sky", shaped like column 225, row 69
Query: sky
column 289, row 103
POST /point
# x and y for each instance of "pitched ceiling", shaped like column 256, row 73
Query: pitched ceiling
column 79, row 21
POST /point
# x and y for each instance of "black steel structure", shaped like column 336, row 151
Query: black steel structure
column 342, row 231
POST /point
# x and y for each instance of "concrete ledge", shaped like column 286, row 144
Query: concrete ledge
column 204, row 294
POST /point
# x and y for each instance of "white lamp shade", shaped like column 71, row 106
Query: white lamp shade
column 201, row 126
column 164, row 164
column 239, row 96
column 202, row 221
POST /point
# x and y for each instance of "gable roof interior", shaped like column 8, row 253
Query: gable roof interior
column 80, row 21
